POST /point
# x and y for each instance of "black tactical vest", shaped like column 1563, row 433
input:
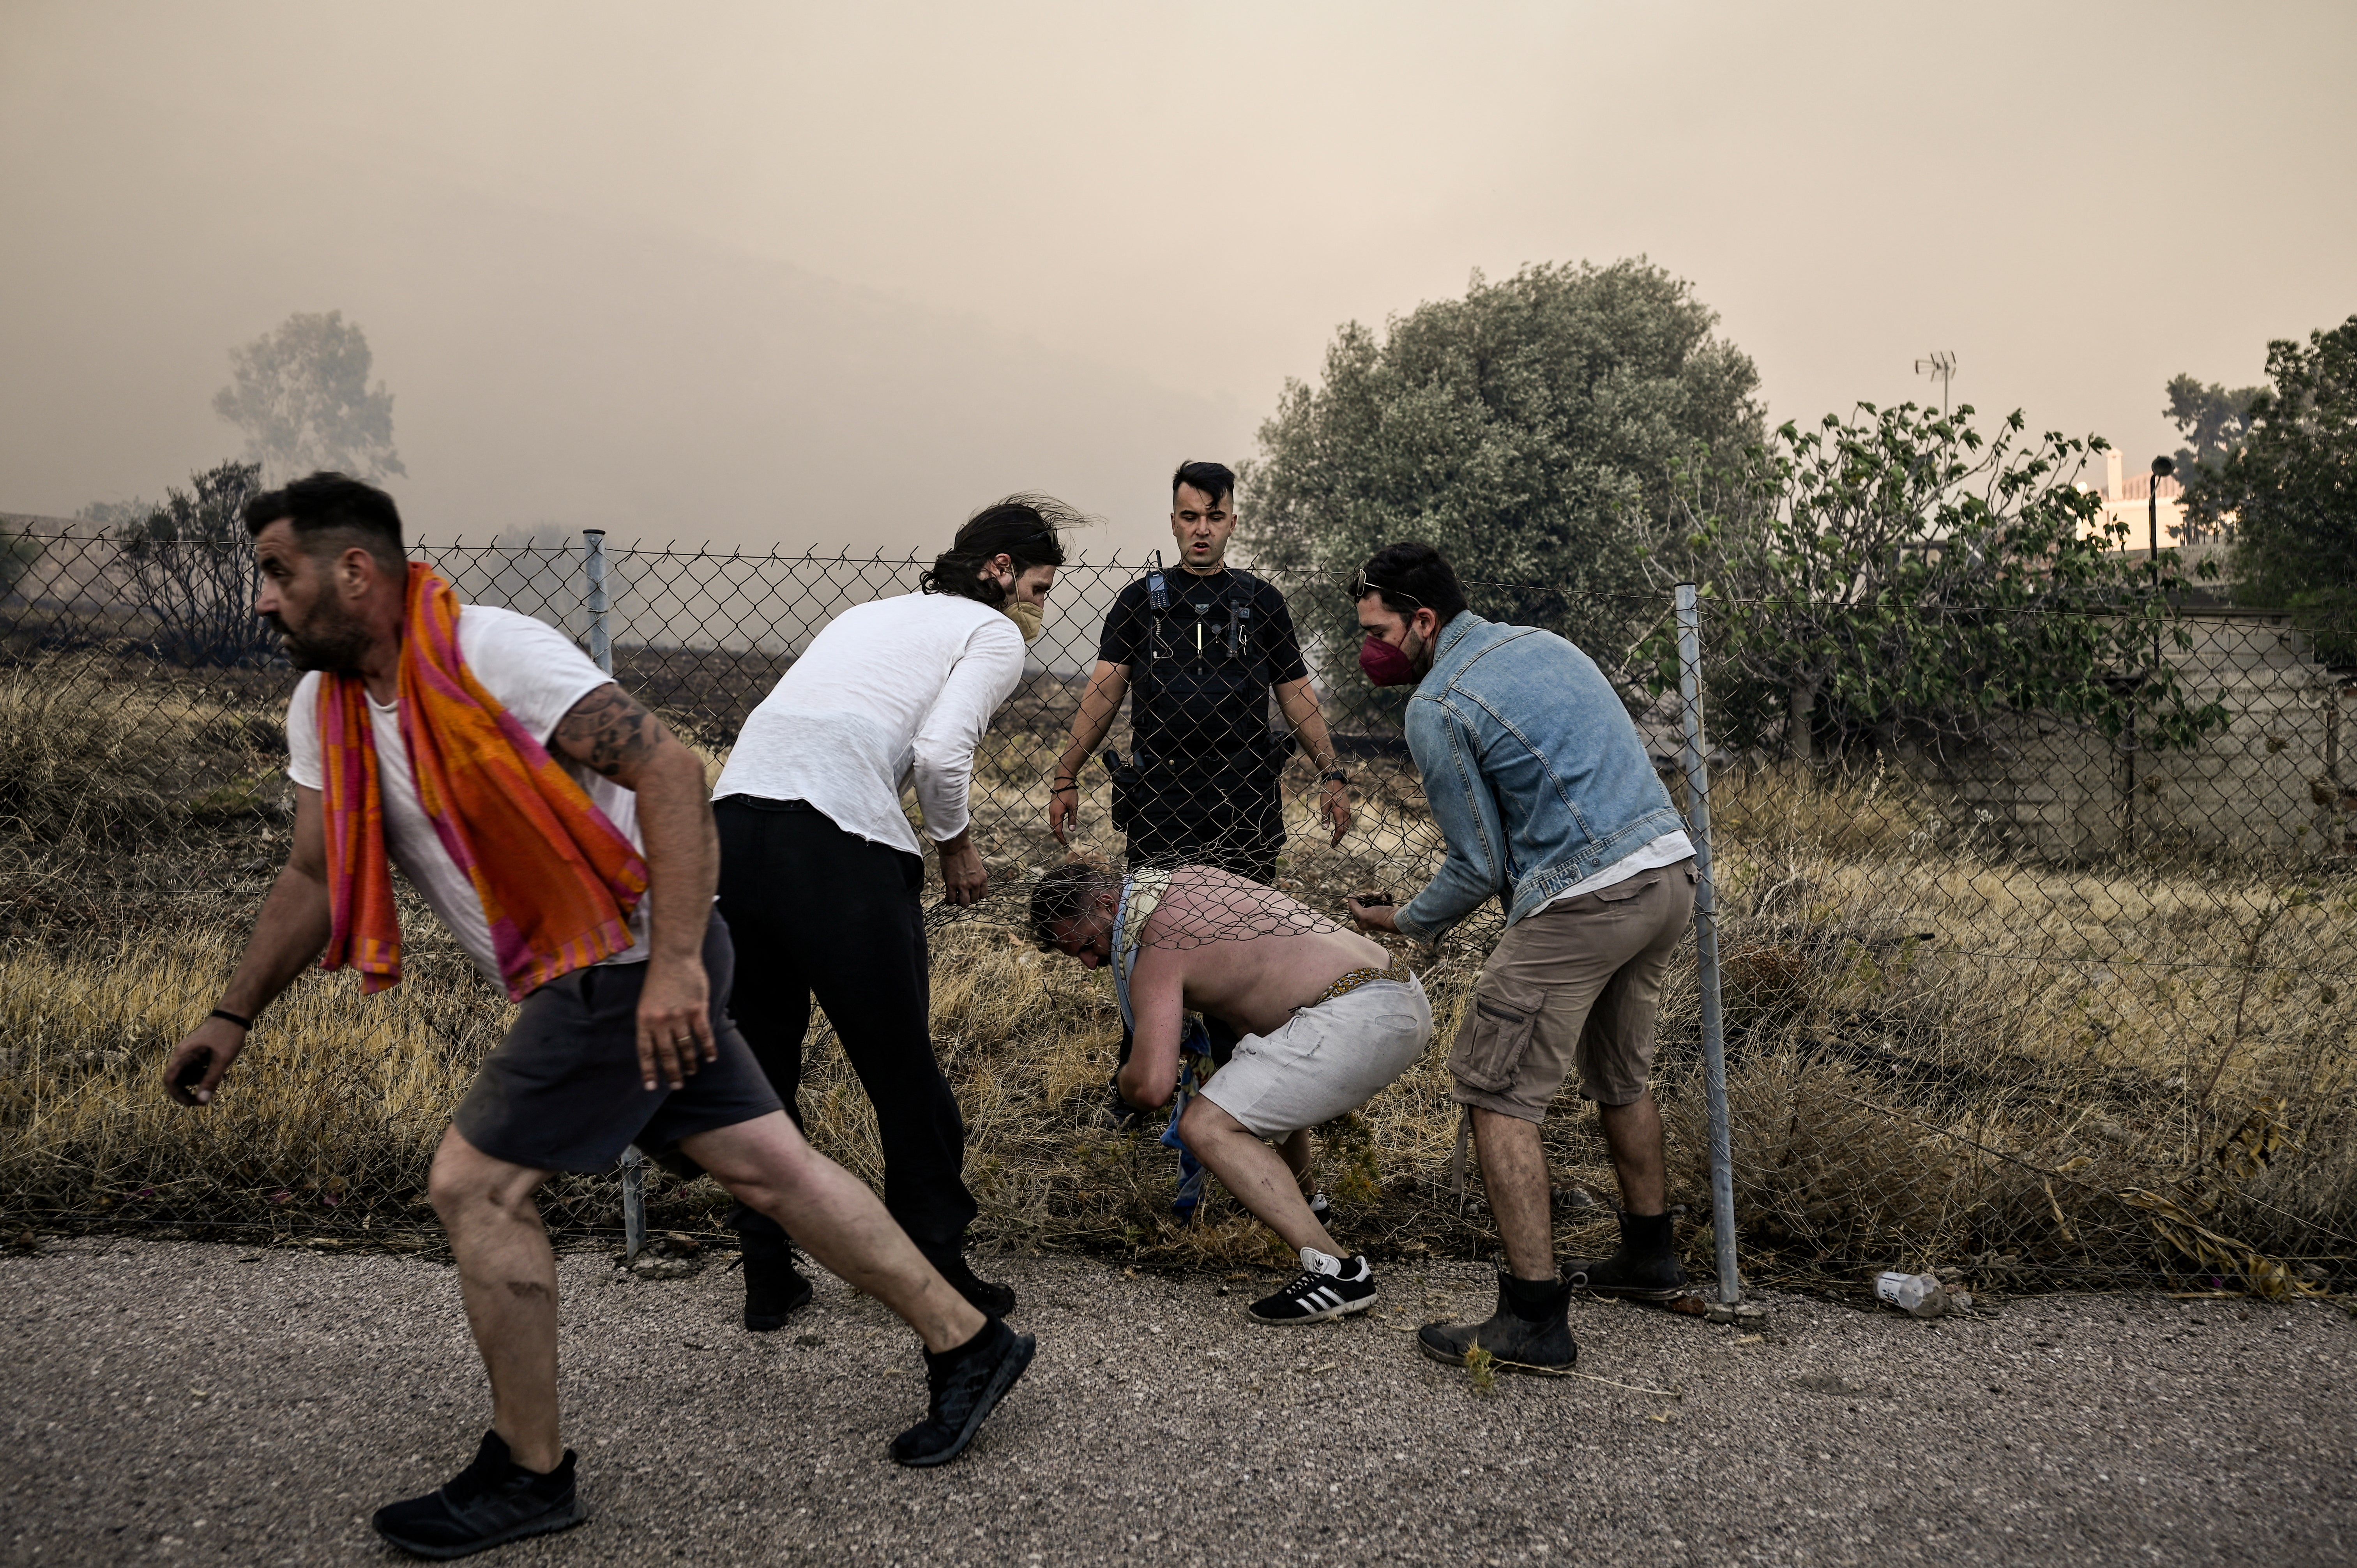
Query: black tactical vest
column 1200, row 690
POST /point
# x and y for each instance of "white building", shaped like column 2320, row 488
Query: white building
column 2127, row 497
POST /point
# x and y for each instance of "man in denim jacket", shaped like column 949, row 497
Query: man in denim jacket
column 1542, row 787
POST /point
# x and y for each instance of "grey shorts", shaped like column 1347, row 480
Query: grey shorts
column 1327, row 1059
column 562, row 1091
column 1576, row 986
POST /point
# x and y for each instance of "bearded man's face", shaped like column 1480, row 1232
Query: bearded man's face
column 296, row 599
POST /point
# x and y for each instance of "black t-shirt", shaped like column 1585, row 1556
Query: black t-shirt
column 1205, row 691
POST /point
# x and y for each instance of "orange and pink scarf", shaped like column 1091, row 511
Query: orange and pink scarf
column 558, row 881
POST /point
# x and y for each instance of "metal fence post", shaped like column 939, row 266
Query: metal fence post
column 1714, row 1037
column 601, row 649
column 601, row 646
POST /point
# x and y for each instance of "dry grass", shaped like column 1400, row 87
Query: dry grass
column 2042, row 1072
column 76, row 766
column 337, row 1105
column 1938, row 1055
column 100, row 766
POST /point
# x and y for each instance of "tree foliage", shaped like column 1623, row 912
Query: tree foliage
column 1898, row 579
column 191, row 569
column 300, row 392
column 1521, row 429
column 2289, row 491
column 2212, row 419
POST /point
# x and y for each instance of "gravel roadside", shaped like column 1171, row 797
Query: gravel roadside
column 182, row 1401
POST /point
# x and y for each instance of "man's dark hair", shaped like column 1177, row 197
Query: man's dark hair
column 1412, row 575
column 1023, row 528
column 1216, row 481
column 1063, row 894
column 329, row 509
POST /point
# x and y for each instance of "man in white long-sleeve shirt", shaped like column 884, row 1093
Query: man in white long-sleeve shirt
column 820, row 872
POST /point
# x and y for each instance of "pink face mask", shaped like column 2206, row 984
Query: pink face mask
column 1385, row 665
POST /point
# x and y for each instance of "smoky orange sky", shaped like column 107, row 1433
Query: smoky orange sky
column 829, row 276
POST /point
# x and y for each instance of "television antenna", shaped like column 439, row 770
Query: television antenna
column 1940, row 365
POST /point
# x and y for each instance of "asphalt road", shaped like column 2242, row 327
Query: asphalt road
column 182, row 1403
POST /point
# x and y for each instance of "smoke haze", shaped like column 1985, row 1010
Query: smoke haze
column 820, row 278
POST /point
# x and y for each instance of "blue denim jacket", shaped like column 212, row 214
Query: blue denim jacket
column 1536, row 776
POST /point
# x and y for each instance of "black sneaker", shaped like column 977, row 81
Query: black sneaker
column 492, row 1500
column 1327, row 1287
column 1642, row 1268
column 963, row 1385
column 986, row 1298
column 1530, row 1332
column 774, row 1288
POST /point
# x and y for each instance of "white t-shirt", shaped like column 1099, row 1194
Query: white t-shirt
column 537, row 674
column 897, row 687
column 1667, row 850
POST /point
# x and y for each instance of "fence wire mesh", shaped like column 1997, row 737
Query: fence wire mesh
column 2048, row 998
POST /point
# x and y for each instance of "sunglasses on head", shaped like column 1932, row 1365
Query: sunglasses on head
column 1361, row 587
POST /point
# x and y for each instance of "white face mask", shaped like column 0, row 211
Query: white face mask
column 1025, row 619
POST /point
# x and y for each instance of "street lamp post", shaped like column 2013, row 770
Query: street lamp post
column 2161, row 468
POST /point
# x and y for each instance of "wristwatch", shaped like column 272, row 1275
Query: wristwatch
column 1334, row 776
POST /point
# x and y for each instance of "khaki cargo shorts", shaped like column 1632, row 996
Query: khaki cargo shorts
column 1576, row 986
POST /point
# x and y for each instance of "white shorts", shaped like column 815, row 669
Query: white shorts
column 1329, row 1059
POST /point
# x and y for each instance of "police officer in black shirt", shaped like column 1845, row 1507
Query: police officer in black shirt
column 1199, row 650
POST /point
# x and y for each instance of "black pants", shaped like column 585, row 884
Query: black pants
column 1239, row 829
column 816, row 911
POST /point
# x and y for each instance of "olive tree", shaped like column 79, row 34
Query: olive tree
column 1521, row 429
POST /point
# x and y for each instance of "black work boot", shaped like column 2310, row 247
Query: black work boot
column 1530, row 1332
column 1645, row 1267
column 774, row 1288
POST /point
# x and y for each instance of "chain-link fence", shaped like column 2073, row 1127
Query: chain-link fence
column 2047, row 997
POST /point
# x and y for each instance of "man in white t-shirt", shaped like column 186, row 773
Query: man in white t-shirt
column 821, row 873
column 603, row 1053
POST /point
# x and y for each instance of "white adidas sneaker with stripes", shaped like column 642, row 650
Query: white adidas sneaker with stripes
column 1327, row 1287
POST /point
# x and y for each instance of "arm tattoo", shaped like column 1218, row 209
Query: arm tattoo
column 609, row 732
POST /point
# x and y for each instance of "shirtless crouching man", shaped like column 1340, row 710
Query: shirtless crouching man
column 1328, row 1021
